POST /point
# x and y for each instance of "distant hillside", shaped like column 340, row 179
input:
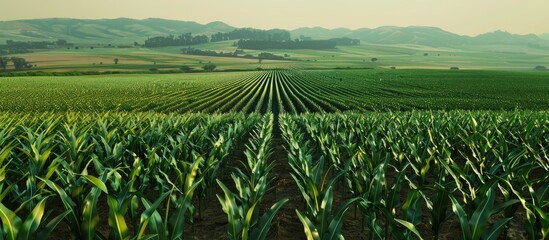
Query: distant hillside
column 430, row 36
column 121, row 30
column 321, row 33
column 501, row 37
column 127, row 31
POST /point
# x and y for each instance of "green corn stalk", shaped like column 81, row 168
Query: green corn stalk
column 31, row 228
column 475, row 226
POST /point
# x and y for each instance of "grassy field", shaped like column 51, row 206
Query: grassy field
column 395, row 55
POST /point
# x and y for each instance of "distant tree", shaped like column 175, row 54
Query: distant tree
column 298, row 44
column 454, row 68
column 540, row 68
column 374, row 59
column 135, row 44
column 345, row 41
column 425, row 54
column 185, row 68
column 116, row 60
column 20, row 63
column 266, row 55
column 4, row 63
column 209, row 67
column 91, row 48
column 61, row 42
column 76, row 48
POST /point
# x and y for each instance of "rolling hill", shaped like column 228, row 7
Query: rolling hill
column 429, row 36
column 127, row 31
column 121, row 30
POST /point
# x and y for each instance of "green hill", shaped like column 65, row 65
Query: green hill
column 127, row 31
column 121, row 30
column 544, row 36
column 428, row 36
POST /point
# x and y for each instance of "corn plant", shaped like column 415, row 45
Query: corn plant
column 242, row 208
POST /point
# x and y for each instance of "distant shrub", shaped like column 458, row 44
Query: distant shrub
column 185, row 68
column 393, row 68
column 153, row 69
column 374, row 59
column 454, row 68
column 540, row 68
column 209, row 67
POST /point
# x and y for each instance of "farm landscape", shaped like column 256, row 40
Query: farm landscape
column 137, row 129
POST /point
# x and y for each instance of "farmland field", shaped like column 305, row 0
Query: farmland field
column 273, row 120
column 401, row 56
column 400, row 175
column 276, row 154
column 279, row 91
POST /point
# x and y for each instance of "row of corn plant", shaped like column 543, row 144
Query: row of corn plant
column 251, row 180
column 143, row 168
column 320, row 219
column 480, row 166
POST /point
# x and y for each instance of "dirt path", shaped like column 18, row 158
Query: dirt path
column 286, row 225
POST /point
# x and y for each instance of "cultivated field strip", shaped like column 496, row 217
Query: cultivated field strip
column 277, row 91
column 274, row 91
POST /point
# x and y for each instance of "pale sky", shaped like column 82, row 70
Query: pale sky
column 466, row 17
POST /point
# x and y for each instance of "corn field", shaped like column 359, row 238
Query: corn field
column 402, row 175
column 150, row 171
column 407, row 171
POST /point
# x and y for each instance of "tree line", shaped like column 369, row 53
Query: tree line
column 194, row 51
column 237, row 53
column 250, row 38
column 188, row 39
column 310, row 44
column 17, row 47
column 18, row 63
column 345, row 41
column 181, row 40
column 252, row 34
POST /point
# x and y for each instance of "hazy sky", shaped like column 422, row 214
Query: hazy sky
column 469, row 17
